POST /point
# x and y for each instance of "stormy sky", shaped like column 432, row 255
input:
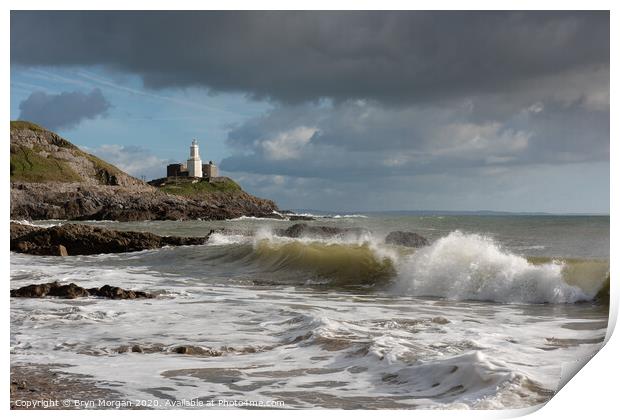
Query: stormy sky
column 339, row 111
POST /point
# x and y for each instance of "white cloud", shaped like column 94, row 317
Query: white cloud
column 288, row 144
column 463, row 140
column 536, row 108
column 412, row 140
column 134, row 160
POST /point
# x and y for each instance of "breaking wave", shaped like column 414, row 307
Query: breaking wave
column 458, row 266
column 472, row 267
column 306, row 261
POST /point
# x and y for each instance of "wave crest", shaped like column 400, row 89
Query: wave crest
column 473, row 267
column 458, row 266
column 334, row 264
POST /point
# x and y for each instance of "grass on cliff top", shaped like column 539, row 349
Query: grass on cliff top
column 26, row 125
column 29, row 166
column 202, row 188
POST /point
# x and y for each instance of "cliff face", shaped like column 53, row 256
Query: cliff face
column 53, row 179
column 39, row 155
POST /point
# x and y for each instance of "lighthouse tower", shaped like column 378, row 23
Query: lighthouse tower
column 194, row 164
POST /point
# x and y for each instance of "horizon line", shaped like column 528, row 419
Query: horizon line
column 455, row 212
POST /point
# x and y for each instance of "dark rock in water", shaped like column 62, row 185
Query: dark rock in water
column 75, row 239
column 197, row 351
column 67, row 291
column 440, row 320
column 299, row 217
column 72, row 291
column 112, row 292
column 33, row 290
column 409, row 239
column 301, row 229
column 18, row 229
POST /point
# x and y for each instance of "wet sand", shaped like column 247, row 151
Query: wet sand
column 46, row 387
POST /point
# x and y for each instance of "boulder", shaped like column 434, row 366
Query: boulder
column 112, row 292
column 299, row 230
column 66, row 291
column 32, row 290
column 298, row 217
column 410, row 239
column 72, row 291
column 76, row 239
column 196, row 351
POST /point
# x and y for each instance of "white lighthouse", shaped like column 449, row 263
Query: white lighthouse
column 194, row 164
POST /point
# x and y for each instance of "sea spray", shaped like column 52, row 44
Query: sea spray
column 463, row 266
column 457, row 266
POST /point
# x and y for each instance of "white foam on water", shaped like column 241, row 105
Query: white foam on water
column 379, row 347
column 220, row 239
column 330, row 216
column 469, row 266
column 374, row 346
column 255, row 218
column 40, row 224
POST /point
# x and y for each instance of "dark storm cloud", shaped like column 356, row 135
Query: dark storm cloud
column 353, row 139
column 453, row 110
column 64, row 110
column 392, row 57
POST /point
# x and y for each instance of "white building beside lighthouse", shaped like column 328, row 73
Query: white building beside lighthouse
column 194, row 163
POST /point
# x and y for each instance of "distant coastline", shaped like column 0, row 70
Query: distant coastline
column 444, row 213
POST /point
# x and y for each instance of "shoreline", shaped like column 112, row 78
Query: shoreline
column 318, row 335
column 38, row 386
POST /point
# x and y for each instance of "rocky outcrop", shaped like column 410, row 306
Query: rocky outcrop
column 299, row 230
column 113, row 292
column 299, row 217
column 73, row 291
column 53, row 179
column 410, row 239
column 72, row 201
column 75, row 239
column 196, row 351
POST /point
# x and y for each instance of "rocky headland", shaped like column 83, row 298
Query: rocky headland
column 51, row 178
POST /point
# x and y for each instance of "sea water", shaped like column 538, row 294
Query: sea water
column 493, row 313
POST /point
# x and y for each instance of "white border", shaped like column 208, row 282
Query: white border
column 591, row 393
